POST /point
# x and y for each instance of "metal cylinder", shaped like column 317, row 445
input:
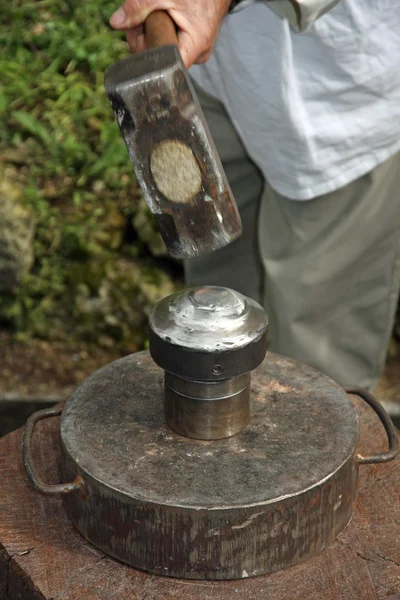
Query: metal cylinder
column 208, row 340
column 207, row 410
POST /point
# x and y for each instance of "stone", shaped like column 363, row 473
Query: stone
column 17, row 228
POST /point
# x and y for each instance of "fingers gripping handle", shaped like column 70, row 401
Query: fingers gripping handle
column 159, row 30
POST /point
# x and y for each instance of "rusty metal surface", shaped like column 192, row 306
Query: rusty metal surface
column 155, row 104
column 265, row 499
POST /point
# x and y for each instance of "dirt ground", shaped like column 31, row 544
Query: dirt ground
column 40, row 371
column 36, row 374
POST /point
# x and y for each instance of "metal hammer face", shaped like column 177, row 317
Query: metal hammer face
column 171, row 149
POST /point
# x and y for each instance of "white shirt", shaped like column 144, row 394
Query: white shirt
column 318, row 109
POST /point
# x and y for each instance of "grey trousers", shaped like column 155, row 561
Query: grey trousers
column 326, row 270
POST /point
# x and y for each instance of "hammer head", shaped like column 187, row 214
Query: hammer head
column 173, row 154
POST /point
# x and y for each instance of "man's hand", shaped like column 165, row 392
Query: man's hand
column 198, row 23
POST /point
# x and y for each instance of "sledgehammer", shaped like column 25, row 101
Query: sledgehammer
column 170, row 145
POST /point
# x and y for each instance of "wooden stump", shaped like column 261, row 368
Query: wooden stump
column 43, row 557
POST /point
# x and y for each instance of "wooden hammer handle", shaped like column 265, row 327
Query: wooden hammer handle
column 159, row 30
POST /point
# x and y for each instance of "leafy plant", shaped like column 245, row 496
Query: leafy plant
column 61, row 145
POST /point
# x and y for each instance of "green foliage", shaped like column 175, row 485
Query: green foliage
column 53, row 59
column 60, row 143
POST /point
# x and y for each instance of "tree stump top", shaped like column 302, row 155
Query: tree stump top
column 42, row 556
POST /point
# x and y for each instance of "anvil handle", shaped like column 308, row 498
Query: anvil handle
column 51, row 489
column 159, row 30
column 386, row 421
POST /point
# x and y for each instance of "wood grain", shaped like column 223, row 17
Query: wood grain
column 159, row 30
column 43, row 557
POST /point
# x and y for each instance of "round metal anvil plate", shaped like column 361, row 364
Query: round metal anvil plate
column 265, row 499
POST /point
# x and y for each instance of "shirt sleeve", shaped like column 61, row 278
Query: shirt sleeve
column 301, row 14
